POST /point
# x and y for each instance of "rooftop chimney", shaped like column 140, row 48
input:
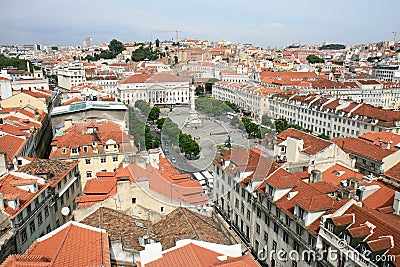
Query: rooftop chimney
column 388, row 144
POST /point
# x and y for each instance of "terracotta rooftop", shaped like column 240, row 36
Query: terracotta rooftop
column 346, row 219
column 72, row 244
column 387, row 225
column 312, row 144
column 152, row 78
column 189, row 255
column 12, row 146
column 100, row 186
column 120, row 226
column 190, row 191
column 359, row 231
column 243, row 261
column 324, row 187
column 279, row 182
column 337, row 173
column 185, row 224
column 53, row 171
column 394, row 172
column 383, row 137
column 381, row 198
column 362, row 147
column 315, row 203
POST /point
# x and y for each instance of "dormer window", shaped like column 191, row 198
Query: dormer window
column 63, row 150
column 74, row 150
column 270, row 190
column 85, row 149
column 330, row 226
column 346, row 237
column 300, row 213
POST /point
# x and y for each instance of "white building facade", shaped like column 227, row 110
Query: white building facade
column 157, row 89
column 71, row 74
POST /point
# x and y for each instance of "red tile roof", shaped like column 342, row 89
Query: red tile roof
column 279, row 181
column 120, row 227
column 324, row 187
column 362, row 147
column 315, row 203
column 72, row 100
column 394, row 172
column 360, row 231
column 384, row 137
column 243, row 261
column 152, row 78
column 100, row 186
column 386, row 225
column 312, row 144
column 189, row 255
column 346, row 219
column 381, row 198
column 12, row 146
column 72, row 244
column 179, row 190
column 185, row 224
column 337, row 173
column 384, row 243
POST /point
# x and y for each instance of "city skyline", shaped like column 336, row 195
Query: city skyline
column 262, row 23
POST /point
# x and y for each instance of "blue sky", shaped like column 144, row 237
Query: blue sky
column 260, row 22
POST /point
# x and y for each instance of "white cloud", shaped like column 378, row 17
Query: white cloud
column 274, row 26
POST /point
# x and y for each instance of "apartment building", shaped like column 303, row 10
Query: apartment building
column 71, row 74
column 30, row 125
column 248, row 97
column 5, row 88
column 233, row 76
column 89, row 110
column 299, row 151
column 73, row 244
column 333, row 117
column 33, row 197
column 382, row 94
column 373, row 153
column 108, row 83
column 387, row 73
column 98, row 145
column 148, row 189
column 282, row 219
column 271, row 212
column 157, row 89
column 202, row 70
column 367, row 238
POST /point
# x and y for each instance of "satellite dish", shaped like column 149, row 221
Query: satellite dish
column 65, row 211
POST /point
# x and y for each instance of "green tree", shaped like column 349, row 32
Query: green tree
column 160, row 123
column 142, row 53
column 116, row 47
column 176, row 59
column 14, row 62
column 314, row 59
column 199, row 90
column 281, row 125
column 234, row 107
column 157, row 43
column 266, row 121
column 154, row 114
column 150, row 140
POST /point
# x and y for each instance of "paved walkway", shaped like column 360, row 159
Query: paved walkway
column 211, row 133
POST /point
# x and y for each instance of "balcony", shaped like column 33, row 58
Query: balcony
column 356, row 257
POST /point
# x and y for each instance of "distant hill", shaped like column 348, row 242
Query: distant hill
column 332, row 47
